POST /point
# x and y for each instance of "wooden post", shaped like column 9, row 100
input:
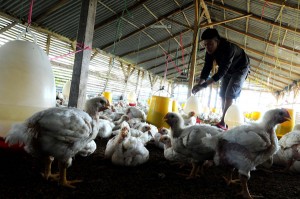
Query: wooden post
column 195, row 48
column 82, row 58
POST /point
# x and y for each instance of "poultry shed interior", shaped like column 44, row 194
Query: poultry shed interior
column 152, row 99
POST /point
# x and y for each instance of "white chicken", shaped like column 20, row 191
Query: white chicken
column 134, row 112
column 95, row 105
column 58, row 133
column 105, row 128
column 169, row 153
column 289, row 147
column 157, row 136
column 126, row 150
column 188, row 140
column 244, row 147
column 190, row 118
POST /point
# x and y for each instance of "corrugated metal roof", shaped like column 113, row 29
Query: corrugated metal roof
column 62, row 17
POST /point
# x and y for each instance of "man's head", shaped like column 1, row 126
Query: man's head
column 211, row 39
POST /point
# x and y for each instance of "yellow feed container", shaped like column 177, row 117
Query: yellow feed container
column 174, row 106
column 159, row 107
column 287, row 126
column 107, row 96
column 255, row 115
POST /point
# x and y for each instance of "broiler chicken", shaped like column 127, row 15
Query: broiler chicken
column 290, row 146
column 169, row 153
column 188, row 140
column 125, row 150
column 190, row 118
column 247, row 146
column 58, row 133
column 162, row 131
column 134, row 112
column 95, row 105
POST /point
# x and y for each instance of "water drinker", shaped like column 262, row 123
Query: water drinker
column 234, row 116
column 26, row 83
column 131, row 98
column 174, row 106
column 192, row 104
column 66, row 90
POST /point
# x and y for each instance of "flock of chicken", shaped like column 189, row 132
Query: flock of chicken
column 63, row 132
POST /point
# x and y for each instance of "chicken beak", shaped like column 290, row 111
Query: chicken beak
column 288, row 116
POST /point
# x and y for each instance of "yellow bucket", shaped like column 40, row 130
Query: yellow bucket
column 108, row 96
column 287, row 126
column 159, row 107
column 255, row 115
column 174, row 106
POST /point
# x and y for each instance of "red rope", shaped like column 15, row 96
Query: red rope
column 263, row 9
column 171, row 60
column 30, row 13
column 81, row 47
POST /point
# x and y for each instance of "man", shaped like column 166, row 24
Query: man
column 234, row 66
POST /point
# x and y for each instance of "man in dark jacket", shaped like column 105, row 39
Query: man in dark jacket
column 234, row 66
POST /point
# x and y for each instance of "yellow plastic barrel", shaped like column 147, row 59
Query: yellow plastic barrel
column 287, row 126
column 159, row 107
column 149, row 101
column 174, row 106
column 255, row 115
column 107, row 96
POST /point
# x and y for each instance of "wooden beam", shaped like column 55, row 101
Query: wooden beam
column 118, row 15
column 195, row 47
column 6, row 28
column 267, row 55
column 205, row 11
column 49, row 10
column 261, row 39
column 255, row 17
column 258, row 81
column 178, row 10
column 48, row 44
column 225, row 21
column 82, row 58
column 283, row 71
column 153, row 45
column 287, row 4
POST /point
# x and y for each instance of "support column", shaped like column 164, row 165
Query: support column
column 195, row 47
column 82, row 58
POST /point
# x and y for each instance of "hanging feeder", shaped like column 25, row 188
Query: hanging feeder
column 107, row 96
column 26, row 82
column 159, row 107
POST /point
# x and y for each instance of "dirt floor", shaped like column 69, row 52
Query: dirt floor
column 20, row 178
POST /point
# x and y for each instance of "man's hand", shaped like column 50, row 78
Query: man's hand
column 198, row 87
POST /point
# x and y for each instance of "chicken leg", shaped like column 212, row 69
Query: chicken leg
column 63, row 176
column 229, row 180
column 47, row 172
column 245, row 191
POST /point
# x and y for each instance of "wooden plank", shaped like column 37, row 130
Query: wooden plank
column 195, row 48
column 82, row 58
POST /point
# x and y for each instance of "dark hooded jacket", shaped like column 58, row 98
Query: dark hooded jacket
column 229, row 57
